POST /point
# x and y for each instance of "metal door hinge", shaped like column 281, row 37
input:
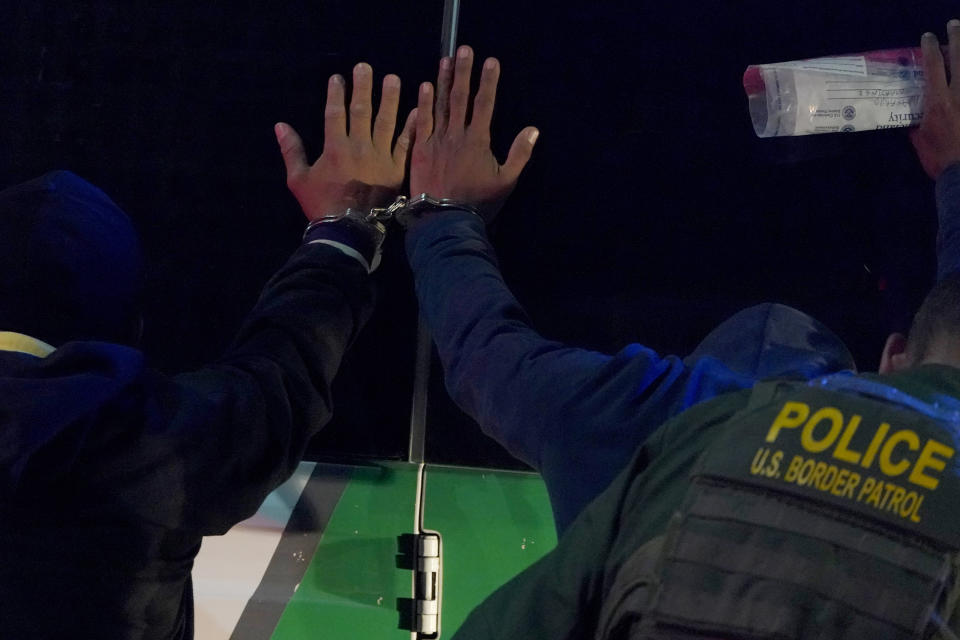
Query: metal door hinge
column 427, row 596
column 422, row 554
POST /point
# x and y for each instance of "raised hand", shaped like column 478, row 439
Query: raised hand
column 360, row 167
column 452, row 158
column 937, row 140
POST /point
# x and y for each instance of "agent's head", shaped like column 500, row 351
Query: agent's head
column 934, row 336
column 70, row 263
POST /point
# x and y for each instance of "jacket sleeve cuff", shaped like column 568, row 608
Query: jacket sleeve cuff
column 355, row 239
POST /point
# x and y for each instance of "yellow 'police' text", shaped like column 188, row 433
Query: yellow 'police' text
column 895, row 451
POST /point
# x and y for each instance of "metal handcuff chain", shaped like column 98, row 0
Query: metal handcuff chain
column 402, row 208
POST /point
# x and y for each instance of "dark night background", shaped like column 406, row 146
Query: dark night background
column 649, row 213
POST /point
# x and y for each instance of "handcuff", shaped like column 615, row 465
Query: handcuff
column 405, row 210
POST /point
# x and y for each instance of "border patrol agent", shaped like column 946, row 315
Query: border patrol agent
column 756, row 489
column 820, row 509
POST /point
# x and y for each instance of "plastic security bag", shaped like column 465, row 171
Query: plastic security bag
column 862, row 92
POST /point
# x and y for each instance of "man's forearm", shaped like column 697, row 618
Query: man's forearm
column 482, row 333
column 948, row 215
column 270, row 393
column 316, row 304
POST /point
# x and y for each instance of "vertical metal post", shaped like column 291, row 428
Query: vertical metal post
column 421, row 385
column 451, row 17
column 421, row 374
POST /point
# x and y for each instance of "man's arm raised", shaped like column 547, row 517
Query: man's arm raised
column 573, row 414
column 244, row 422
column 937, row 142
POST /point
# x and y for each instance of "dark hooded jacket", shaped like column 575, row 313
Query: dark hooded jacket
column 111, row 472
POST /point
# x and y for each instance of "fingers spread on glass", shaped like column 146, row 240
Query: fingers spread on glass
column 520, row 152
column 361, row 102
column 386, row 122
column 335, row 115
column 460, row 92
column 294, row 155
column 485, row 99
column 953, row 34
column 424, row 112
column 442, row 103
column 451, row 155
column 933, row 71
column 360, row 166
column 402, row 146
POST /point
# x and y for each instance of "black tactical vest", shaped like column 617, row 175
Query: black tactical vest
column 828, row 509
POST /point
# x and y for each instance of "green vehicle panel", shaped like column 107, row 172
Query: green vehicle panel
column 337, row 538
column 493, row 524
column 351, row 587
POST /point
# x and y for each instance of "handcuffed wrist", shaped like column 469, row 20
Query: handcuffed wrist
column 350, row 232
column 360, row 234
column 425, row 206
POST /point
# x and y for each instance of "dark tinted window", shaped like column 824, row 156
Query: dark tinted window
column 649, row 213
